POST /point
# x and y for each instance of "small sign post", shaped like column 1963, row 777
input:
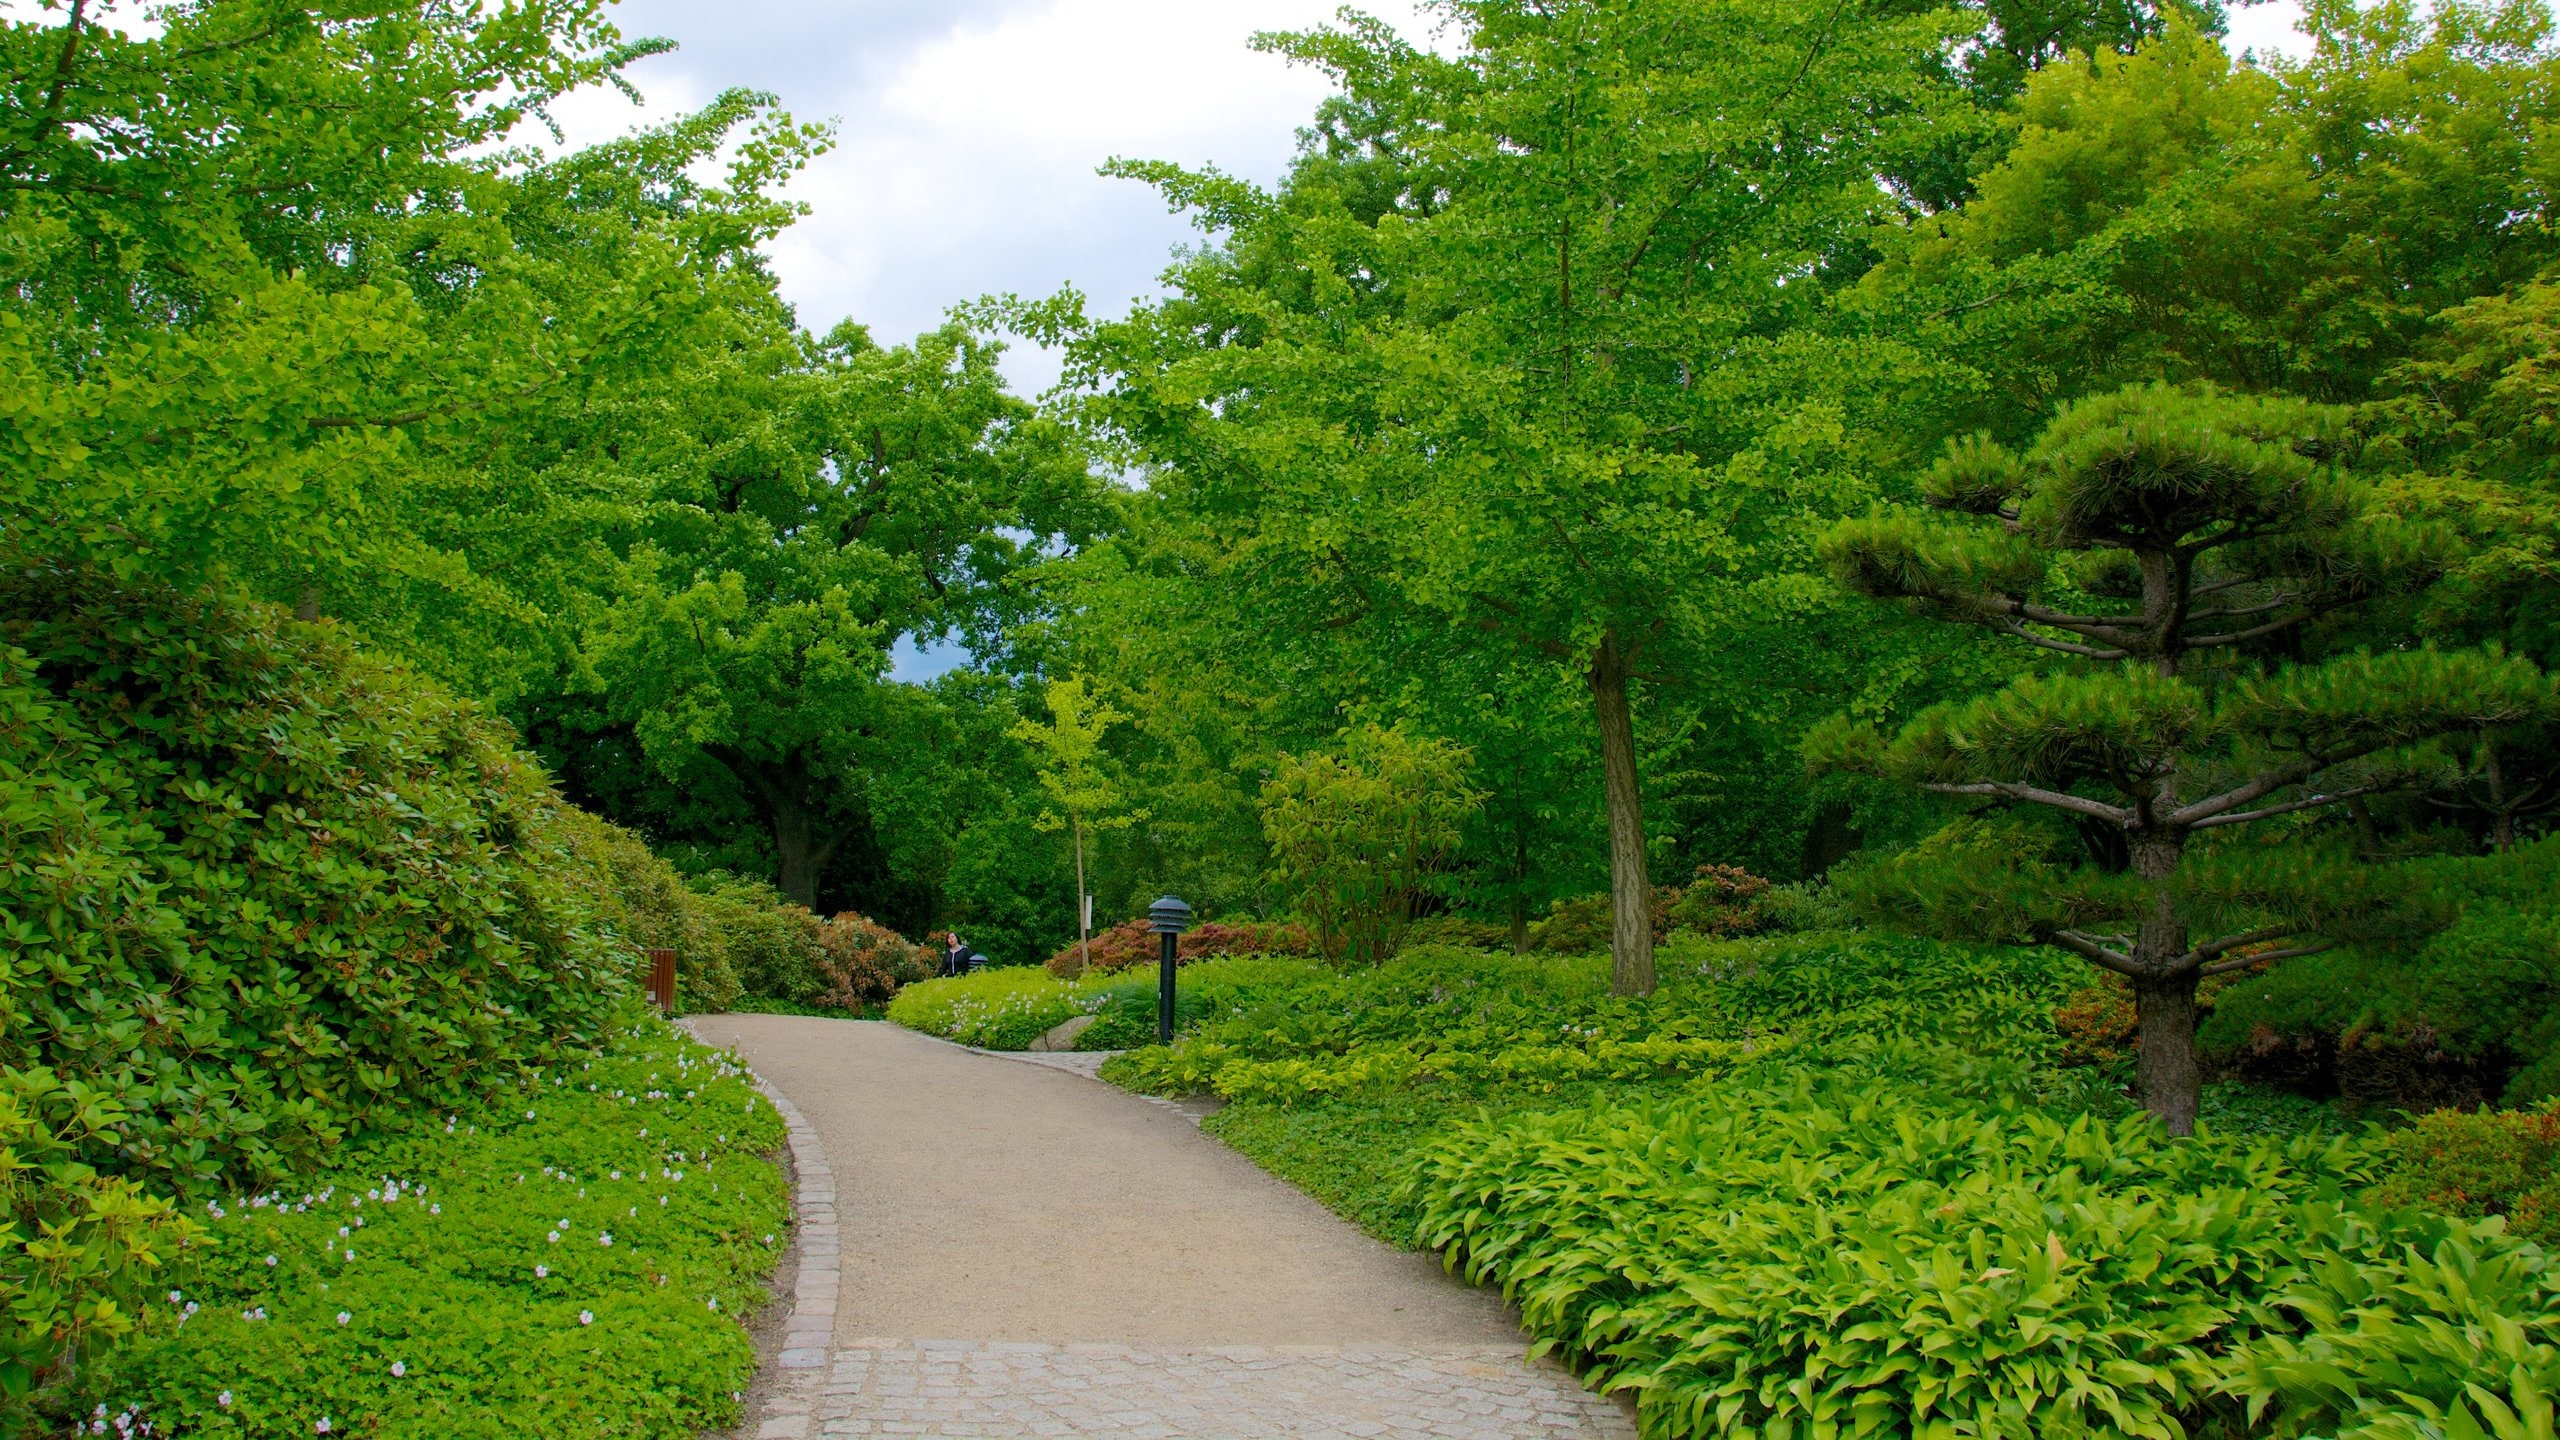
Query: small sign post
column 662, row 980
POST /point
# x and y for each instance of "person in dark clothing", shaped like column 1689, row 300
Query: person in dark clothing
column 955, row 955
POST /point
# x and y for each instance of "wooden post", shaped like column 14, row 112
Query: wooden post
column 662, row 980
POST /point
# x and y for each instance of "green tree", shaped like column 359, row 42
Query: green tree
column 276, row 291
column 1077, row 776
column 1362, row 834
column 2175, row 543
column 1541, row 374
column 840, row 496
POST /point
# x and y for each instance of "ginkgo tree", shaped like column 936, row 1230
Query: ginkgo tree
column 1519, row 351
column 1085, row 794
column 2172, row 544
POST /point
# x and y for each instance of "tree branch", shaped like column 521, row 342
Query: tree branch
column 2243, row 962
column 2088, row 948
column 2094, row 809
column 2332, row 797
column 2227, row 943
column 51, row 117
column 2047, row 642
column 2193, row 816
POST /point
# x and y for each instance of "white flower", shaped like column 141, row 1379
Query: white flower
column 541, row 1272
column 553, row 1237
column 715, row 1302
column 528, row 1114
column 605, row 1239
column 271, row 1262
column 351, row 1253
column 342, row 1230
column 323, row 1427
column 398, row 1370
column 223, row 1399
column 344, row 1317
column 586, row 1317
column 435, row 1209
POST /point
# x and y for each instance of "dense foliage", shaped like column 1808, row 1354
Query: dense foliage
column 568, row 1256
column 263, row 887
column 1910, row 1247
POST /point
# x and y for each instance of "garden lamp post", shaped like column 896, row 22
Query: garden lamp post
column 1168, row 917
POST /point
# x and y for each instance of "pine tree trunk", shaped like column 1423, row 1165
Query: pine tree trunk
column 1630, row 897
column 2164, row 994
column 2165, row 1068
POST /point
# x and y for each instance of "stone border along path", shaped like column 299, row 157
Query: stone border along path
column 999, row 1249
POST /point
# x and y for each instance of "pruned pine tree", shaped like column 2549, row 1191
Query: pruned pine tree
column 2174, row 542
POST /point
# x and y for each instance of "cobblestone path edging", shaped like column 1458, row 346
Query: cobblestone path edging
column 808, row 1336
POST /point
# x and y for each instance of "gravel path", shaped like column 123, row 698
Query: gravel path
column 1022, row 1251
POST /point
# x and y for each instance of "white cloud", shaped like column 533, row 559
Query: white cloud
column 968, row 141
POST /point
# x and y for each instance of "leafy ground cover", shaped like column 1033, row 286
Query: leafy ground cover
column 1007, row 1007
column 574, row 1256
column 1837, row 1183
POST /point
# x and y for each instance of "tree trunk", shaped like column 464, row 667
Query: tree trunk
column 1084, row 920
column 2164, row 992
column 803, row 856
column 2502, row 816
column 2165, row 1067
column 1630, row 891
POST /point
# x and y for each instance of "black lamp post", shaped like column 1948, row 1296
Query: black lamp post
column 1167, row 917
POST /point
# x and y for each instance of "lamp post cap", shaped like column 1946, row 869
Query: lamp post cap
column 1169, row 916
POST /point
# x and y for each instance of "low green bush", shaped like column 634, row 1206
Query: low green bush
column 2487, row 1162
column 1907, row 1244
column 574, row 1256
column 650, row 905
column 2470, row 1015
column 1210, row 990
column 1468, row 1019
column 1004, row 1007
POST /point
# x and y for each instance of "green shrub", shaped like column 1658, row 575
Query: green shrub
column 260, row 887
column 770, row 943
column 1458, row 932
column 1002, row 1008
column 446, row 1267
column 1908, row 1245
column 2472, row 1014
column 647, row 902
column 77, row 1248
column 2482, row 1163
column 1362, row 834
column 1209, row 990
column 1469, row 1019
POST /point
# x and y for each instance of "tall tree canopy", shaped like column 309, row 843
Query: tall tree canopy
column 1529, row 364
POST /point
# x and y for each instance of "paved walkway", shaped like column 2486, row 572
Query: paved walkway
column 1016, row 1250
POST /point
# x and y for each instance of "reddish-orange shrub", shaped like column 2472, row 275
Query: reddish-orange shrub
column 1131, row 943
column 863, row 962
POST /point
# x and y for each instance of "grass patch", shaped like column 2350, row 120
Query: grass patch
column 573, row 1258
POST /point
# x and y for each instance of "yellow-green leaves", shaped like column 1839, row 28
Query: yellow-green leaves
column 1362, row 833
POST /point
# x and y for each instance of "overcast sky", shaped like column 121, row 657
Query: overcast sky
column 969, row 132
